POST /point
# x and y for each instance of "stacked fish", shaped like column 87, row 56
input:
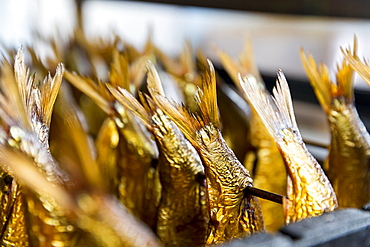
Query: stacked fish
column 123, row 147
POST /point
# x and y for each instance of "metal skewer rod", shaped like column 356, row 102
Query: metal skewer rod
column 314, row 143
column 264, row 194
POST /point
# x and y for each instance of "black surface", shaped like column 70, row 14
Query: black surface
column 263, row 240
column 341, row 228
column 332, row 8
column 347, row 227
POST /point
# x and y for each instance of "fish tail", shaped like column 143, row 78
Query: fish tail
column 319, row 78
column 345, row 77
column 13, row 100
column 362, row 68
column 246, row 64
column 276, row 112
column 131, row 103
column 207, row 98
column 97, row 92
column 119, row 73
column 325, row 89
column 189, row 123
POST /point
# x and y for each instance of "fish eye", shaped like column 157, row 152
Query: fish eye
column 154, row 163
column 8, row 180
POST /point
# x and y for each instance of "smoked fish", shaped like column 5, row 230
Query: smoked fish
column 231, row 213
column 101, row 215
column 264, row 159
column 309, row 190
column 26, row 108
column 182, row 213
column 14, row 230
column 138, row 185
column 348, row 161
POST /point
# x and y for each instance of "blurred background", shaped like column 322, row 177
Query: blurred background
column 277, row 29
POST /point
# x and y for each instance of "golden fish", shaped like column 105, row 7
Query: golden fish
column 27, row 108
column 264, row 160
column 309, row 190
column 107, row 154
column 235, row 120
column 182, row 217
column 348, row 162
column 231, row 213
column 72, row 147
column 184, row 71
column 138, row 182
column 100, row 215
column 14, row 230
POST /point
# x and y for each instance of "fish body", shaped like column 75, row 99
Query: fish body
column 263, row 158
column 182, row 217
column 348, row 161
column 231, row 213
column 26, row 108
column 107, row 153
column 14, row 229
column 138, row 186
column 309, row 190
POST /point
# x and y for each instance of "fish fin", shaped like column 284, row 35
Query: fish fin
column 362, row 68
column 119, row 72
column 345, row 77
column 324, row 88
column 247, row 60
column 276, row 112
column 49, row 90
column 186, row 121
column 12, row 98
column 207, row 97
column 246, row 64
column 131, row 103
column 229, row 64
column 319, row 79
column 97, row 92
column 187, row 59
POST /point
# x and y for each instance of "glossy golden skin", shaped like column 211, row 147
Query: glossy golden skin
column 309, row 190
column 139, row 187
column 348, row 162
column 349, row 156
column 263, row 159
column 269, row 172
column 232, row 214
column 107, row 154
column 14, row 230
column 182, row 215
column 25, row 127
column 47, row 222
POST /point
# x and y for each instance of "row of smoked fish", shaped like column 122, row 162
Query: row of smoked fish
column 128, row 147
